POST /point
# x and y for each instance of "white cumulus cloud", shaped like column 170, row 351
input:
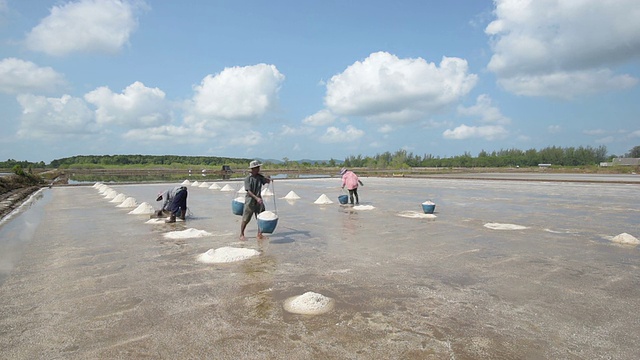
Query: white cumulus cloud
column 43, row 116
column 487, row 132
column 20, row 76
column 321, row 118
column 86, row 26
column 385, row 87
column 563, row 48
column 236, row 93
column 336, row 135
column 485, row 110
column 136, row 107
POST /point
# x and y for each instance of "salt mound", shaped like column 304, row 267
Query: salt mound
column 102, row 188
column 497, row 226
column 110, row 194
column 186, row 234
column 416, row 215
column 240, row 199
column 214, row 186
column 428, row 203
column 128, row 202
column 323, row 200
column 119, row 198
column 309, row 303
column 626, row 239
column 242, row 190
column 144, row 208
column 204, row 184
column 226, row 254
column 155, row 221
column 186, row 182
column 227, row 188
column 195, row 183
column 292, row 196
column 364, row 207
column 96, row 185
column 267, row 215
column 266, row 192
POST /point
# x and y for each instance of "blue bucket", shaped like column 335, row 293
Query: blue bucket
column 237, row 207
column 267, row 226
column 343, row 199
column 428, row 209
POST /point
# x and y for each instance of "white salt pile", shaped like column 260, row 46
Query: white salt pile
column 242, row 190
column 186, row 234
column 144, row 208
column 204, row 184
column 626, row 239
column 323, row 200
column 416, row 215
column 102, row 188
column 119, row 198
column 227, row 254
column 214, row 186
column 186, row 182
column 110, row 194
column 155, row 221
column 309, row 303
column 498, row 226
column 428, row 203
column 195, row 183
column 227, row 188
column 266, row 192
column 239, row 199
column 128, row 202
column 292, row 196
column 96, row 185
column 364, row 207
column 267, row 215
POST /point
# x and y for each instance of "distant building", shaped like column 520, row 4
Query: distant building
column 626, row 162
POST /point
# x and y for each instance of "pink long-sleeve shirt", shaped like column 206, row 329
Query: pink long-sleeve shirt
column 350, row 180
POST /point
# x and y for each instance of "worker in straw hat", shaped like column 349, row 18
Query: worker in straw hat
column 351, row 181
column 253, row 204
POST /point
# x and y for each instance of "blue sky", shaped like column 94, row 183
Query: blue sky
column 316, row 79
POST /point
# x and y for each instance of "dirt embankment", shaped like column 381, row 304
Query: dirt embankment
column 14, row 189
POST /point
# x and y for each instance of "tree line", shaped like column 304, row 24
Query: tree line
column 554, row 155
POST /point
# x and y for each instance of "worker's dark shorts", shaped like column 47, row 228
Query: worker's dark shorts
column 251, row 208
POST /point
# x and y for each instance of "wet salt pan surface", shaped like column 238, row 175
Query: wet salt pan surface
column 413, row 287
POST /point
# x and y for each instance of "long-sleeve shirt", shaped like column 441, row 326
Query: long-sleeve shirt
column 350, row 180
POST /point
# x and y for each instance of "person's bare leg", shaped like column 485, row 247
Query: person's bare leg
column 260, row 236
column 243, row 225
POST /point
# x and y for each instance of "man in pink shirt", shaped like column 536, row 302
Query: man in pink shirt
column 351, row 181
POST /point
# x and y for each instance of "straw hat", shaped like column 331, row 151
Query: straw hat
column 254, row 164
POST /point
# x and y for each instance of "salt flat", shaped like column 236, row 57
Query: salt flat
column 82, row 278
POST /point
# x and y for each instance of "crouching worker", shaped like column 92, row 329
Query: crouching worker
column 174, row 202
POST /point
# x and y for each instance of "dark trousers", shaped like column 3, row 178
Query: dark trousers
column 179, row 203
column 353, row 192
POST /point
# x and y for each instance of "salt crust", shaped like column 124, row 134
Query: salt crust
column 498, row 226
column 226, row 254
column 186, row 234
column 309, row 303
column 364, row 207
column 267, row 215
column 416, row 215
column 128, row 202
column 155, row 221
column 227, row 188
column 144, row 208
column 428, row 203
column 119, row 198
column 292, row 196
column 626, row 239
column 323, row 200
column 239, row 199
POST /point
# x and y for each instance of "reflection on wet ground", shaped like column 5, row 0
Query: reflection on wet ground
column 92, row 281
